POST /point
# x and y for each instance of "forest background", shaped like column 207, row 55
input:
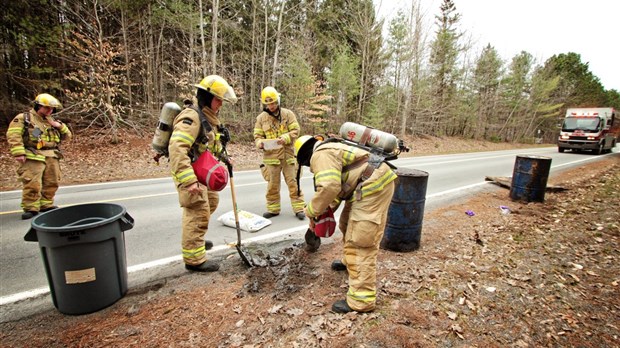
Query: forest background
column 113, row 64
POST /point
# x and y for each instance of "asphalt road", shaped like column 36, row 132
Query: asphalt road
column 155, row 237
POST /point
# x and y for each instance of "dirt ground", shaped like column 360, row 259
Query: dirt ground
column 544, row 274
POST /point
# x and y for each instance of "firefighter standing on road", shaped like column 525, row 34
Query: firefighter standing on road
column 342, row 173
column 34, row 138
column 279, row 124
column 196, row 130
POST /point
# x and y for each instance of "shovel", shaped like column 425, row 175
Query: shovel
column 247, row 259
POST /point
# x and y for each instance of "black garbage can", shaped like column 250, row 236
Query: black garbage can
column 403, row 229
column 83, row 251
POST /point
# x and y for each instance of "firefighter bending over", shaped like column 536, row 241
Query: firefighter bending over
column 34, row 138
column 343, row 173
column 275, row 132
column 196, row 130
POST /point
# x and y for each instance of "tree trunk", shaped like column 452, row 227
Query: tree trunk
column 265, row 40
column 127, row 63
column 108, row 109
column 202, row 40
column 214, row 34
column 252, row 86
column 277, row 45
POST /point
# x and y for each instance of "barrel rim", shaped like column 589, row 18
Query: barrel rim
column 113, row 218
column 404, row 171
column 535, row 157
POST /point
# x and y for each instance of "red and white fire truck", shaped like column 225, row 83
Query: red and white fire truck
column 595, row 129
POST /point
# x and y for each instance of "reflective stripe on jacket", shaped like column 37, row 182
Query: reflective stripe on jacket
column 331, row 183
column 187, row 144
column 269, row 127
column 23, row 142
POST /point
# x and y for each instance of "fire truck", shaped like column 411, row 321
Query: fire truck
column 594, row 129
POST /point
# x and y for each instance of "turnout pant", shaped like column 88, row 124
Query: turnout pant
column 40, row 182
column 362, row 224
column 197, row 210
column 273, row 187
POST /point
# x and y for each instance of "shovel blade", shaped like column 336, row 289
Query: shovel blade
column 244, row 256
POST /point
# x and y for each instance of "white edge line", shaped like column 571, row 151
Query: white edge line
column 23, row 295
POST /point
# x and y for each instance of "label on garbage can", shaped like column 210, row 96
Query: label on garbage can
column 80, row 276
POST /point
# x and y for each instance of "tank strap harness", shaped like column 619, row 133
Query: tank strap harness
column 167, row 130
column 37, row 133
column 25, row 135
column 206, row 127
column 26, row 125
column 372, row 162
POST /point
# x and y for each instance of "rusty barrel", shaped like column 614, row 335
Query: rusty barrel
column 403, row 229
column 529, row 178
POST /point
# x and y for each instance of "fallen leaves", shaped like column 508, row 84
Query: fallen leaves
column 275, row 309
column 546, row 276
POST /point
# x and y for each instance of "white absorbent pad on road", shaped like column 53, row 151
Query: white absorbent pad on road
column 248, row 222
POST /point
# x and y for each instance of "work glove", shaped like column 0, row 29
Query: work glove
column 224, row 135
column 312, row 241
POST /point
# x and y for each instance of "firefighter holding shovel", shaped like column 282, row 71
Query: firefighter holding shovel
column 346, row 173
column 196, row 130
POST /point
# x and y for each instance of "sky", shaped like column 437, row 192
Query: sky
column 541, row 27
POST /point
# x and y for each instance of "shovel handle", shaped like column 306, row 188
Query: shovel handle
column 243, row 256
column 234, row 202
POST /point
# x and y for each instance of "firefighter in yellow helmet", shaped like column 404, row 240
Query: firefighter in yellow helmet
column 34, row 138
column 196, row 130
column 275, row 132
column 343, row 173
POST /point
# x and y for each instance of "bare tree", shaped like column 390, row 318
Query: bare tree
column 254, row 53
column 366, row 32
column 214, row 34
column 276, row 48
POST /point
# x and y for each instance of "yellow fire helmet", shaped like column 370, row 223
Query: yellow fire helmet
column 304, row 146
column 269, row 95
column 217, row 86
column 47, row 100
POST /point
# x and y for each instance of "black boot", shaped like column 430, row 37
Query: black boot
column 300, row 215
column 341, row 306
column 208, row 245
column 337, row 265
column 207, row 266
column 52, row 207
column 29, row 214
column 269, row 215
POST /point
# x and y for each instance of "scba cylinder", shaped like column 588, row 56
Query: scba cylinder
column 164, row 127
column 368, row 136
